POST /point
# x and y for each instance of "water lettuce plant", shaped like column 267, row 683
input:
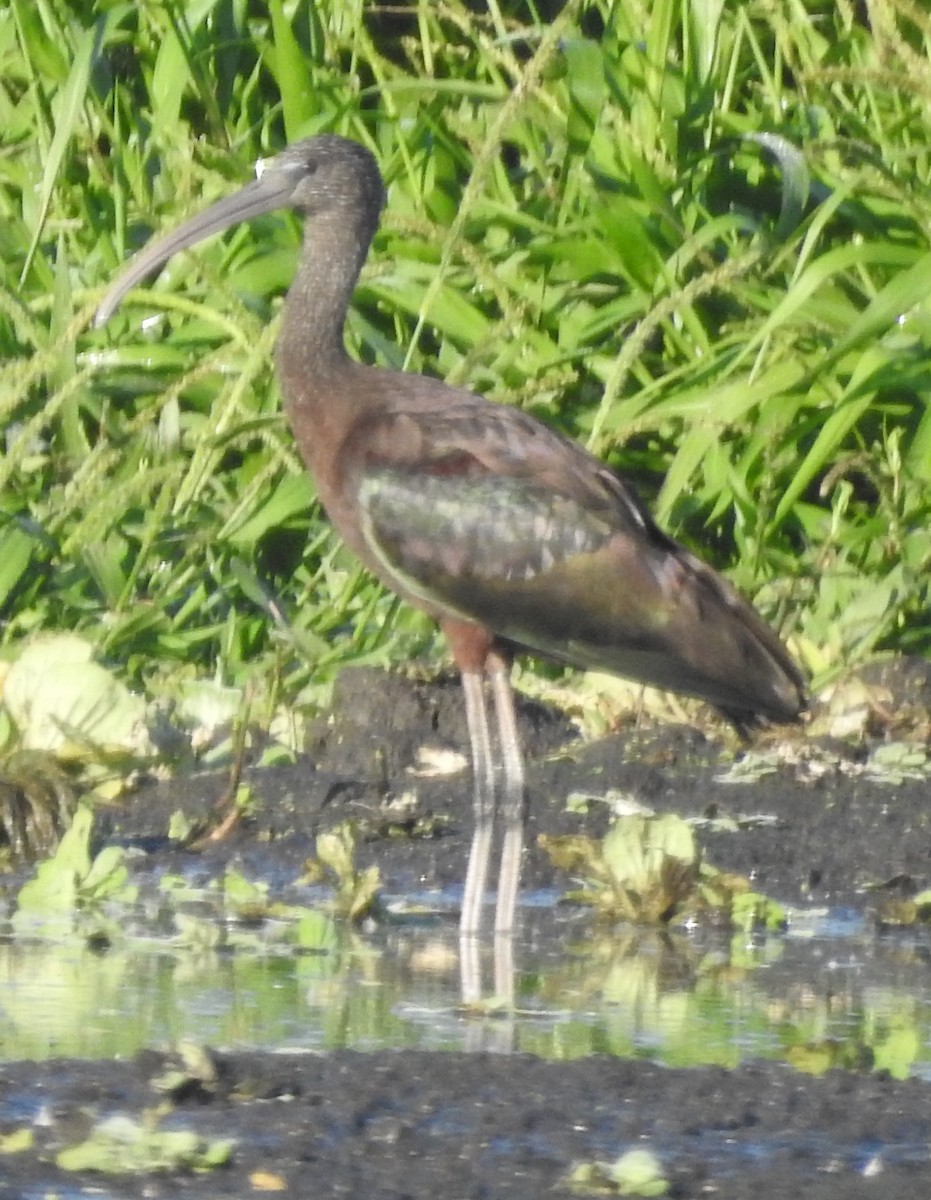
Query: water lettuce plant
column 59, row 700
column 634, row 1173
column 355, row 894
column 125, row 1145
column 649, row 869
column 74, row 889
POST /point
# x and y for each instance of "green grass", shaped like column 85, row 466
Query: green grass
column 582, row 221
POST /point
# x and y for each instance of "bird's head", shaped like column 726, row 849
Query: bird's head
column 320, row 175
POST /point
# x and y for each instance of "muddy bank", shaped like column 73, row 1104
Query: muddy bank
column 392, row 1125
column 830, row 828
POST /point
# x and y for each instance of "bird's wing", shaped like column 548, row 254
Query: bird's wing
column 471, row 494
column 485, row 514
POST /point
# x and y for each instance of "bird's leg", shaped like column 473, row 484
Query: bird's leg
column 514, row 807
column 473, row 687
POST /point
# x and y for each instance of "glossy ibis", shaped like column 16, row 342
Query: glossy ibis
column 512, row 537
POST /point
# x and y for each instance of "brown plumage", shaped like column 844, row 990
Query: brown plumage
column 511, row 536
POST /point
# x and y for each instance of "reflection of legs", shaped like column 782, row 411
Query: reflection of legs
column 470, row 969
column 504, row 969
column 514, row 806
column 473, row 687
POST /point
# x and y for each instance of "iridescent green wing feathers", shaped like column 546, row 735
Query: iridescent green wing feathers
column 489, row 516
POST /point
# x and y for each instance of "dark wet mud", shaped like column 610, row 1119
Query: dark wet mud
column 495, row 1123
column 415, row 1124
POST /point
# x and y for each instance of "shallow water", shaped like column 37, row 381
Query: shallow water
column 827, row 992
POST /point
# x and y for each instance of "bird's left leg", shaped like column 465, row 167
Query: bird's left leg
column 473, row 688
column 514, row 799
column 471, row 645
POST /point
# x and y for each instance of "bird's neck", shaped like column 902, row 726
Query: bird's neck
column 310, row 347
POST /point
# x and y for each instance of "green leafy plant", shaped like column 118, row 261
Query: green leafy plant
column 59, row 703
column 68, row 726
column 123, row 1145
column 635, row 1173
column 356, row 892
column 649, row 869
column 72, row 888
column 236, row 912
column 585, row 217
column 644, row 869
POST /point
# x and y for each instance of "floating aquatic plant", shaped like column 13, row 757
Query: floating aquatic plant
column 73, row 888
column 636, row 1173
column 356, row 892
column 649, row 869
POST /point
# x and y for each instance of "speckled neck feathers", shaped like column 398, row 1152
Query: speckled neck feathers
column 341, row 222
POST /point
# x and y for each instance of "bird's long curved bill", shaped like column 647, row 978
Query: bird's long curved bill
column 271, row 191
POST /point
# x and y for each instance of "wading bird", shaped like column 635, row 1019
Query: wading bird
column 512, row 537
